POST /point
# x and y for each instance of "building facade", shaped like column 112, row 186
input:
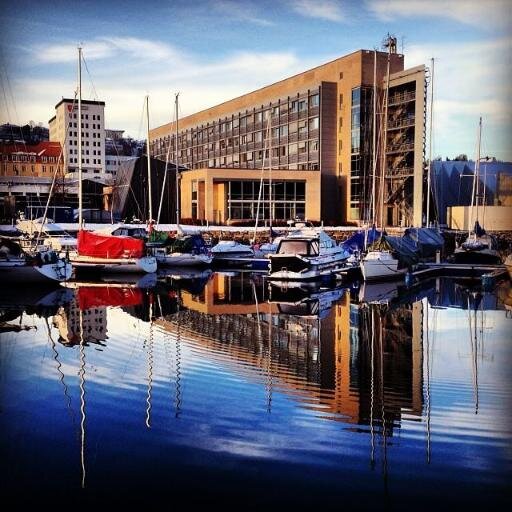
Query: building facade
column 317, row 123
column 40, row 160
column 64, row 129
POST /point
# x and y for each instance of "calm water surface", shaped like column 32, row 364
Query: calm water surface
column 219, row 389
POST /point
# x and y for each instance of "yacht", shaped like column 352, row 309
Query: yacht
column 306, row 254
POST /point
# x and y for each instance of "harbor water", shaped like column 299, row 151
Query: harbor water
column 223, row 389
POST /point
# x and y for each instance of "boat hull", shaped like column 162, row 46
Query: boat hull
column 20, row 272
column 184, row 260
column 91, row 264
column 476, row 257
column 375, row 270
column 299, row 268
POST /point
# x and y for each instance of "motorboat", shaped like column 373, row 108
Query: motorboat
column 229, row 251
column 306, row 254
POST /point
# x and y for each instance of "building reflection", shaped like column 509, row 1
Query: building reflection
column 345, row 359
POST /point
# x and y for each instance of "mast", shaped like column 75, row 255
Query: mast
column 384, row 145
column 177, row 167
column 477, row 167
column 149, row 163
column 430, row 143
column 80, row 203
column 270, row 204
column 374, row 142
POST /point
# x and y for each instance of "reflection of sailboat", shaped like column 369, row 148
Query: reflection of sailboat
column 382, row 292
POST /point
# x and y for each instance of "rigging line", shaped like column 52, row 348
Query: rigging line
column 7, row 80
column 90, row 78
column 54, row 179
column 163, row 183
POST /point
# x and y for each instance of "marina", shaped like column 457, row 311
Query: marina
column 256, row 256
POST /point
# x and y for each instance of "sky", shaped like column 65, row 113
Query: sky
column 213, row 50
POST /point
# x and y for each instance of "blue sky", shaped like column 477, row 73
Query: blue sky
column 213, row 50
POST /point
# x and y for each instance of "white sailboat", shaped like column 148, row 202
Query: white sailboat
column 98, row 252
column 185, row 250
column 41, row 267
column 378, row 262
column 479, row 247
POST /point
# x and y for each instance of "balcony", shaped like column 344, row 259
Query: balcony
column 400, row 173
column 400, row 148
column 402, row 97
column 403, row 122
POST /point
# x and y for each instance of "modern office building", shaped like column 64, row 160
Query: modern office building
column 64, row 129
column 315, row 131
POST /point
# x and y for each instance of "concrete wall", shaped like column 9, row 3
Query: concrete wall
column 494, row 218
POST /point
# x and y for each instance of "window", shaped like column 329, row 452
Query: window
column 313, row 123
column 313, row 145
column 302, row 148
column 341, row 100
column 314, row 100
column 258, row 117
column 302, row 105
column 275, row 111
column 292, row 149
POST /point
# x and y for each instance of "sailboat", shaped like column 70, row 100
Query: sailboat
column 98, row 252
column 479, row 247
column 183, row 250
column 40, row 266
column 379, row 262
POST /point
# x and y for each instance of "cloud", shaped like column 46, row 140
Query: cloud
column 470, row 80
column 104, row 48
column 329, row 10
column 487, row 14
column 244, row 11
column 67, row 52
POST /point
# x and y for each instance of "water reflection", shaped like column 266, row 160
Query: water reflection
column 356, row 364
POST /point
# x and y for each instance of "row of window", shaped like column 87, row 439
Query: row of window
column 27, row 158
column 84, row 143
column 16, row 168
column 95, row 117
column 84, row 125
column 84, row 152
column 85, row 135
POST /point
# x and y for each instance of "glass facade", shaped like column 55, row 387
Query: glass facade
column 238, row 141
column 288, row 200
column 361, row 133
